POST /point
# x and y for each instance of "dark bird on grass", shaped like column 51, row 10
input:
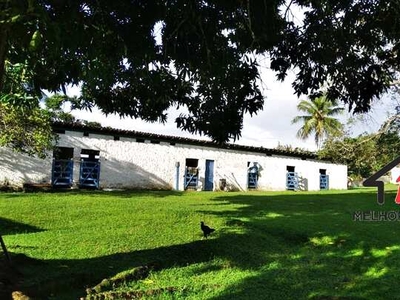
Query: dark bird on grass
column 206, row 230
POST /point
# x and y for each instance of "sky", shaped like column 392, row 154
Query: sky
column 270, row 127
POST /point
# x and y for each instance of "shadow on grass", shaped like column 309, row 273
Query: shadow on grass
column 8, row 227
column 320, row 252
column 9, row 276
column 297, row 246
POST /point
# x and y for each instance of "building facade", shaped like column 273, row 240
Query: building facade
column 118, row 159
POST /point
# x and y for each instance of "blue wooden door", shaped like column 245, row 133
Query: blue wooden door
column 89, row 176
column 252, row 180
column 292, row 181
column 252, row 177
column 324, row 182
column 209, row 176
column 191, row 177
column 62, row 173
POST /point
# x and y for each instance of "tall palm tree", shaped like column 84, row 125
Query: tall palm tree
column 318, row 119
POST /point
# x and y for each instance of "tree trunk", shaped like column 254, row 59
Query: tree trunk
column 3, row 53
column 3, row 246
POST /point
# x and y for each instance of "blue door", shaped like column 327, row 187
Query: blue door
column 62, row 172
column 191, row 177
column 252, row 180
column 324, row 182
column 209, row 176
column 252, row 176
column 292, row 181
column 89, row 176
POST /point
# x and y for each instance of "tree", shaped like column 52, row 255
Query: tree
column 318, row 119
column 4, row 248
column 367, row 153
column 358, row 153
column 352, row 47
column 290, row 148
column 204, row 55
column 26, row 130
column 24, row 126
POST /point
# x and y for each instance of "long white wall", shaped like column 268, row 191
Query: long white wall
column 17, row 169
column 129, row 164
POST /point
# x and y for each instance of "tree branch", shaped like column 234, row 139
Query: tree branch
column 3, row 246
column 288, row 9
column 384, row 129
column 3, row 53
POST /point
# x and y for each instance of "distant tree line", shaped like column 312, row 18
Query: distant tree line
column 366, row 153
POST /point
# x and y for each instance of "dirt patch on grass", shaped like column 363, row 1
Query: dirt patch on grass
column 131, row 275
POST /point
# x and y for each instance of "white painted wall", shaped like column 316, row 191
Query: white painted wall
column 17, row 168
column 129, row 164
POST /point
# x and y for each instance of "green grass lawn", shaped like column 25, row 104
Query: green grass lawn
column 124, row 245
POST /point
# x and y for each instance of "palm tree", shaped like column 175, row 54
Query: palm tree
column 318, row 119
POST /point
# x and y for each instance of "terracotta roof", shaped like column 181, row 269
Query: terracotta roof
column 180, row 140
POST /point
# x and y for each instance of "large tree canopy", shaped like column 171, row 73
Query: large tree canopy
column 137, row 58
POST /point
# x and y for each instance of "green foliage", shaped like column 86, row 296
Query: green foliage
column 388, row 146
column 352, row 47
column 318, row 119
column 388, row 138
column 360, row 154
column 92, row 124
column 17, row 88
column 55, row 106
column 26, row 130
column 367, row 153
column 290, row 148
column 124, row 245
column 24, row 126
column 139, row 58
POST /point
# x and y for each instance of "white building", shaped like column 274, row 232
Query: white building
column 110, row 158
